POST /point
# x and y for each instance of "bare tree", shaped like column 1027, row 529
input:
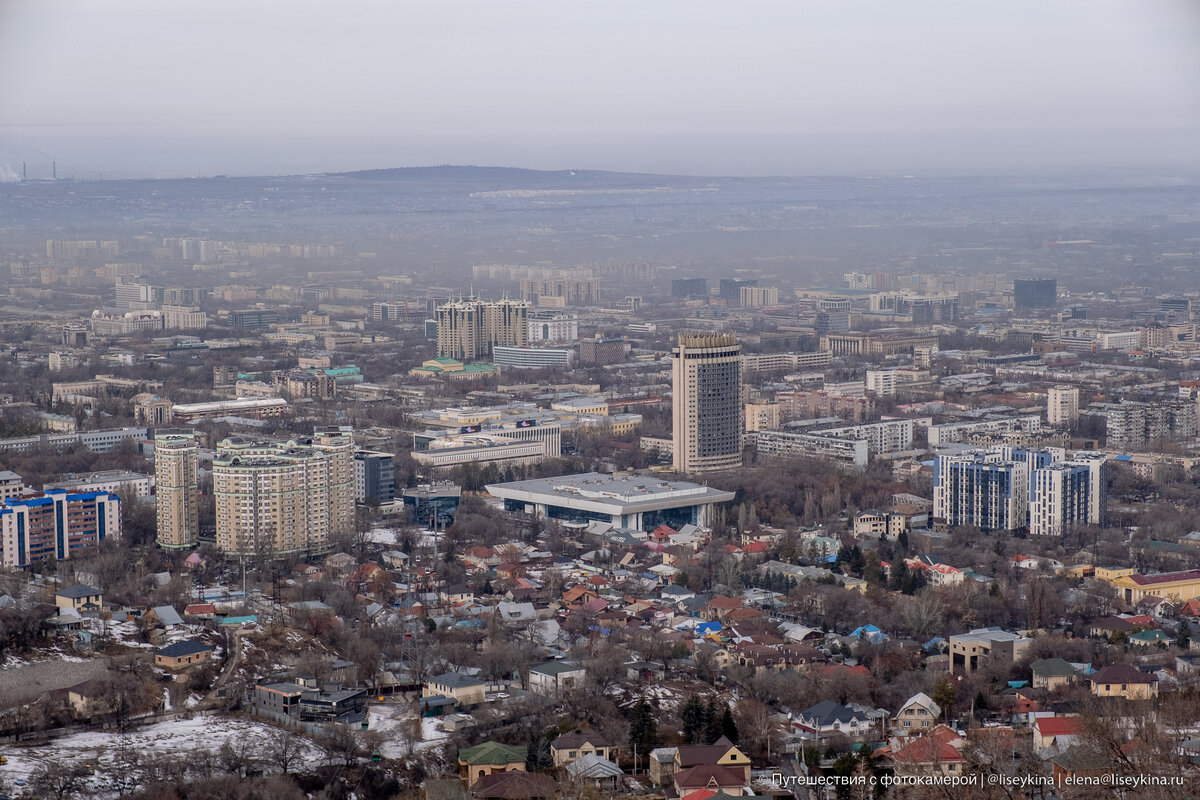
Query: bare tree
column 284, row 749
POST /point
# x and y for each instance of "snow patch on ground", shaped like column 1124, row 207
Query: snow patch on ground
column 178, row 738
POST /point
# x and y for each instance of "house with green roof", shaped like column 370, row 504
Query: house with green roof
column 1052, row 673
column 490, row 758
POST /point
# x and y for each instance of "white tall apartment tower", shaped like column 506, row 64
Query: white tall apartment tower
column 706, row 388
column 1062, row 405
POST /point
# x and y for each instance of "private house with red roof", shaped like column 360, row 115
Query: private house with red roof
column 1055, row 733
column 482, row 558
column 935, row 752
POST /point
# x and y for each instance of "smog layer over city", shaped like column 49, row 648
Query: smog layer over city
column 564, row 401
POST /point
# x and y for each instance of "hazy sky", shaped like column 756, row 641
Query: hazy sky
column 180, row 87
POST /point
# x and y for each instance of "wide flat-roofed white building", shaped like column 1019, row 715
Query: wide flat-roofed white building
column 629, row 501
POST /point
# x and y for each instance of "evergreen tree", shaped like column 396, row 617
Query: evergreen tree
column 712, row 722
column 537, row 754
column 728, row 726
column 693, row 716
column 643, row 731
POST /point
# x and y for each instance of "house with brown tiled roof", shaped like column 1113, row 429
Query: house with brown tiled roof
column 1122, row 680
column 719, row 607
column 709, row 776
column 721, row 753
column 577, row 596
column 572, row 746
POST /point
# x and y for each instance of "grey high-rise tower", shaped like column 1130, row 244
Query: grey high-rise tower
column 706, row 390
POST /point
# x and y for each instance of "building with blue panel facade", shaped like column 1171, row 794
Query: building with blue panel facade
column 56, row 525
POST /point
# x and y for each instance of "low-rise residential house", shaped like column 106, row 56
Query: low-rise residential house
column 721, row 753
column 307, row 702
column 1078, row 762
column 552, row 678
column 938, row 752
column 182, row 655
column 466, row 690
column 829, row 719
column 515, row 786
column 572, row 746
column 80, row 597
column 166, row 615
column 1148, row 638
column 708, row 777
column 918, row 714
column 1052, row 673
column 595, row 772
column 490, row 758
column 1122, row 680
column 979, row 647
column 1055, row 734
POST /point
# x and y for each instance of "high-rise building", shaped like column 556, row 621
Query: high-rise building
column 706, row 386
column 553, row 326
column 374, row 477
column 1062, row 405
column 177, row 487
column 759, row 296
column 469, row 329
column 291, row 497
column 730, row 289
column 1066, row 495
column 683, row 288
column 762, row 416
column 1035, row 293
column 982, row 490
column 57, row 524
column 1133, row 426
column 574, row 287
column 881, row 382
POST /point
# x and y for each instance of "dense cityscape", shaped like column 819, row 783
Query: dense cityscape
column 292, row 512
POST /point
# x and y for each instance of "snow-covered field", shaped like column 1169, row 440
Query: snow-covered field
column 396, row 724
column 179, row 738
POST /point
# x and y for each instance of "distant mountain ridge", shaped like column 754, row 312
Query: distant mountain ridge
column 518, row 177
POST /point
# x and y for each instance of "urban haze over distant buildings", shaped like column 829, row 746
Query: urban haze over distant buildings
column 130, row 88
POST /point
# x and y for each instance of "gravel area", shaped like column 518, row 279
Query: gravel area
column 26, row 683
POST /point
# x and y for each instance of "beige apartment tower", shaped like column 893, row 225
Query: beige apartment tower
column 706, row 389
column 275, row 498
column 469, row 329
column 177, row 488
column 1062, row 405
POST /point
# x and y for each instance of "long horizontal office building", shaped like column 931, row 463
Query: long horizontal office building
column 754, row 363
column 252, row 407
column 479, row 448
column 516, row 357
column 112, row 481
column 852, row 452
column 637, row 502
column 102, row 441
column 957, row 432
column 57, row 525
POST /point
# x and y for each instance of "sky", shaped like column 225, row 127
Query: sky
column 146, row 88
